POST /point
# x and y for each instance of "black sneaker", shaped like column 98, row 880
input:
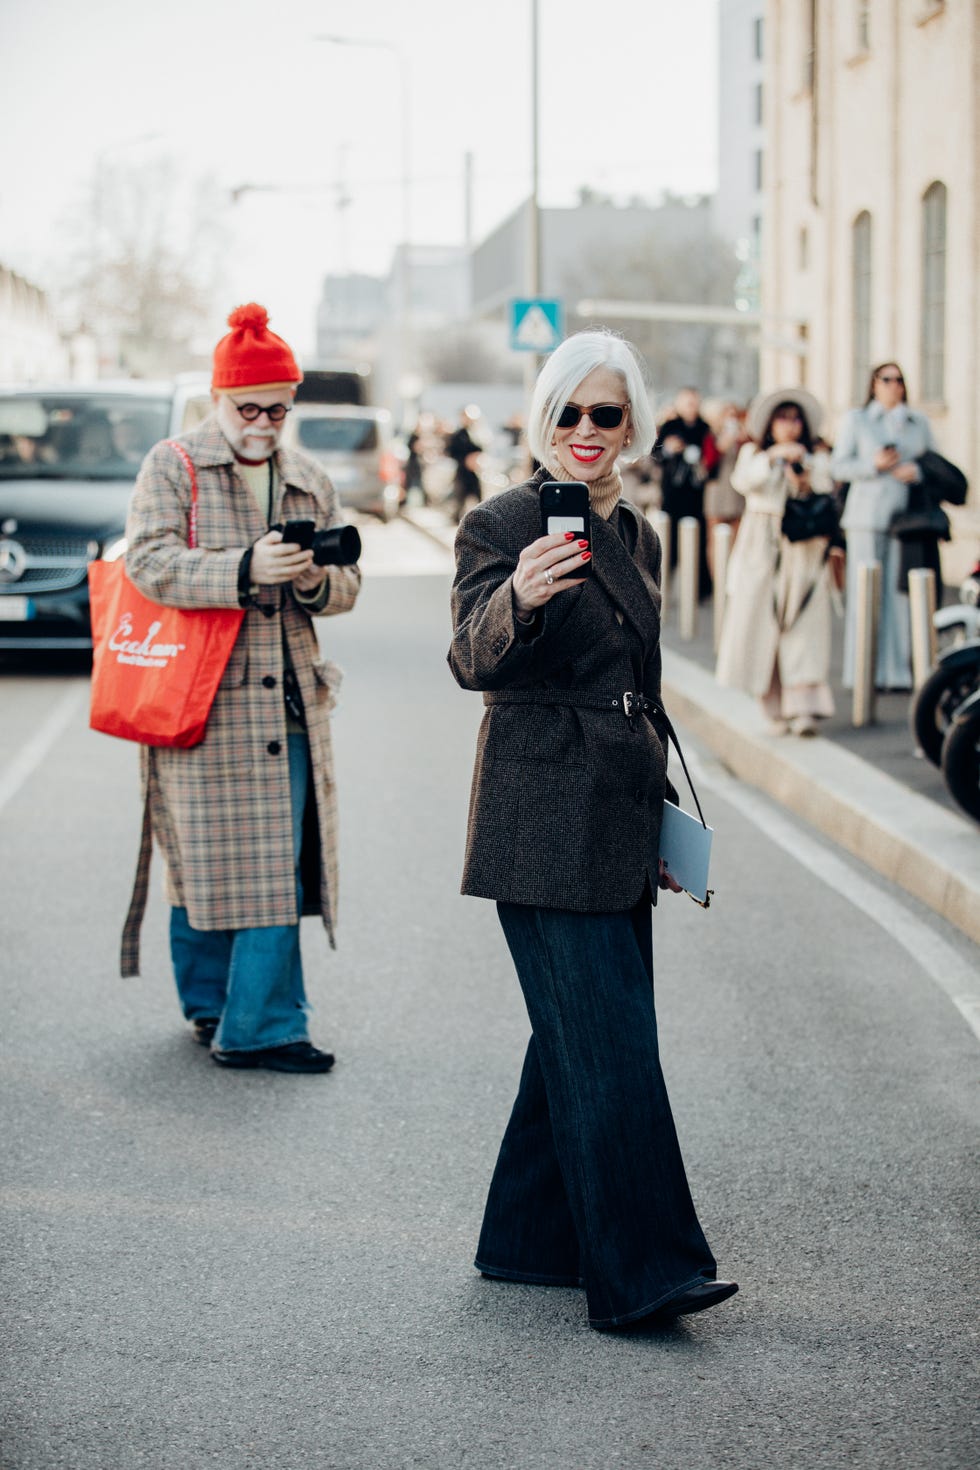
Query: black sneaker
column 297, row 1056
column 203, row 1029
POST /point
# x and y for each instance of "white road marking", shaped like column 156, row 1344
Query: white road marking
column 939, row 960
column 23, row 766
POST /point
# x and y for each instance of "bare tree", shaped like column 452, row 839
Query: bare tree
column 144, row 273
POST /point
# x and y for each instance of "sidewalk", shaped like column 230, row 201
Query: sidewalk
column 865, row 789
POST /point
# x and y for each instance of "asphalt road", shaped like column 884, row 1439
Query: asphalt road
column 203, row 1268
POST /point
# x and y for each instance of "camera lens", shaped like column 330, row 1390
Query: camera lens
column 338, row 547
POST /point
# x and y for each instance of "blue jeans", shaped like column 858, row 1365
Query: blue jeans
column 251, row 978
column 589, row 1187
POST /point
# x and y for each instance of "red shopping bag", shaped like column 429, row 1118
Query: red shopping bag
column 155, row 669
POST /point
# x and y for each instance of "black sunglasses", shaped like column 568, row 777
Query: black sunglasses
column 252, row 411
column 603, row 415
column 890, row 378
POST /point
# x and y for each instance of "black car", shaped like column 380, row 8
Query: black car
column 68, row 459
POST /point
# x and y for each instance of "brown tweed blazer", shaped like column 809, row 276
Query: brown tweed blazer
column 220, row 811
column 567, row 796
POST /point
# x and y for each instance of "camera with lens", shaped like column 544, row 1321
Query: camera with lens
column 340, row 546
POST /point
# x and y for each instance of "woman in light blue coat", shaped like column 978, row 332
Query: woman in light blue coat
column 876, row 450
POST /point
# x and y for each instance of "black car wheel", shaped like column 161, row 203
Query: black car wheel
column 937, row 702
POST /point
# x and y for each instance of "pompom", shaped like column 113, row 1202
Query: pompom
column 251, row 315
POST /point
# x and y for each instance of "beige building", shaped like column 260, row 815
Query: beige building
column 871, row 245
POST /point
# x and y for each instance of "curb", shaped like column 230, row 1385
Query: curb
column 432, row 523
column 931, row 853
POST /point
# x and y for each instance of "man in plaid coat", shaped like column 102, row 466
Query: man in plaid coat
column 246, row 820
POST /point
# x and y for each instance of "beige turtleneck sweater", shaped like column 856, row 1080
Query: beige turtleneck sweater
column 604, row 493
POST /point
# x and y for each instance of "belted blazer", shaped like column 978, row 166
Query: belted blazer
column 568, row 792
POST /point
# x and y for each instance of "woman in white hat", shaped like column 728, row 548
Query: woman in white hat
column 775, row 640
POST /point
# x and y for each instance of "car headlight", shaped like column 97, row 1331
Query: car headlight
column 114, row 549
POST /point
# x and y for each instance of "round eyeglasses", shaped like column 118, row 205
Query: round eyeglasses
column 275, row 412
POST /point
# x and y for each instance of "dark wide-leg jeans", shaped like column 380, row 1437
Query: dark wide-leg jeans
column 589, row 1187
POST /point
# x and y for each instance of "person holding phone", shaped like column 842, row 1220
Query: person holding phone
column 567, row 802
column 247, row 819
column 875, row 453
column 775, row 640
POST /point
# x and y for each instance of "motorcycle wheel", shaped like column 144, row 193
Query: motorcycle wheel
column 935, row 705
column 961, row 764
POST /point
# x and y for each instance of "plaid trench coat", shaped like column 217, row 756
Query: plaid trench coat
column 220, row 811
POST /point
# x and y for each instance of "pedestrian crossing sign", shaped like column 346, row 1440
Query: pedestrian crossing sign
column 535, row 324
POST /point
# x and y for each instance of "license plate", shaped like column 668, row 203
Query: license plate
column 15, row 609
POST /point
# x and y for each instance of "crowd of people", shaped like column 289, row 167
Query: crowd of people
column 804, row 516
column 724, row 463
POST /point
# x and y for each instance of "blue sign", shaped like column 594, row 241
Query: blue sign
column 536, row 325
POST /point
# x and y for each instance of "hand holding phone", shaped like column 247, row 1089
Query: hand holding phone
column 561, row 557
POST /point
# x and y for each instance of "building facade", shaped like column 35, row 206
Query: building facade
column 871, row 234
column 740, row 200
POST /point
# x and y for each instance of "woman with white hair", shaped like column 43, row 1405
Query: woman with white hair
column 561, row 633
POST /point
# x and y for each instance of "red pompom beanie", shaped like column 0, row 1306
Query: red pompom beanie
column 251, row 356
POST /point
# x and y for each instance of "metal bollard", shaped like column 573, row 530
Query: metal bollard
column 721, row 545
column 922, row 607
column 866, row 642
column 660, row 521
column 688, row 550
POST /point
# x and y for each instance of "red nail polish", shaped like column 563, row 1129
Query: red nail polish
column 569, row 535
column 586, row 555
column 583, row 544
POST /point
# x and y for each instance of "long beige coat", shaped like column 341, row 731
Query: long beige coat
column 220, row 812
column 768, row 579
column 567, row 796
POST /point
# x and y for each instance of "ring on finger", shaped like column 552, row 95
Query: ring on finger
column 549, row 577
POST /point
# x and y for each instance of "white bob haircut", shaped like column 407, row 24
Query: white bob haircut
column 572, row 361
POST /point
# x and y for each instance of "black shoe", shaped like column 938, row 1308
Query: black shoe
column 203, row 1029
column 297, row 1056
column 698, row 1298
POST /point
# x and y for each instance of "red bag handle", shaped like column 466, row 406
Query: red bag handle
column 189, row 466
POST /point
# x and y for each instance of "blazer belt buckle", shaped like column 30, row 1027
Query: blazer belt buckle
column 632, row 704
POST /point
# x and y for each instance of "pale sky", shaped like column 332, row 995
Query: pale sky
column 241, row 91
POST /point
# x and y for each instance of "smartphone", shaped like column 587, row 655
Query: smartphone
column 299, row 533
column 565, row 507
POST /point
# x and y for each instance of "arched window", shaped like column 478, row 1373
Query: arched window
column 932, row 375
column 860, row 304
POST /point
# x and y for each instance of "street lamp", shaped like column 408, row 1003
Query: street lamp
column 405, row 271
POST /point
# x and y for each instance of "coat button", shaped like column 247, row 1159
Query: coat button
column 273, row 747
column 638, row 797
column 269, row 681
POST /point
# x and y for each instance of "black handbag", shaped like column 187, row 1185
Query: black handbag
column 808, row 516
